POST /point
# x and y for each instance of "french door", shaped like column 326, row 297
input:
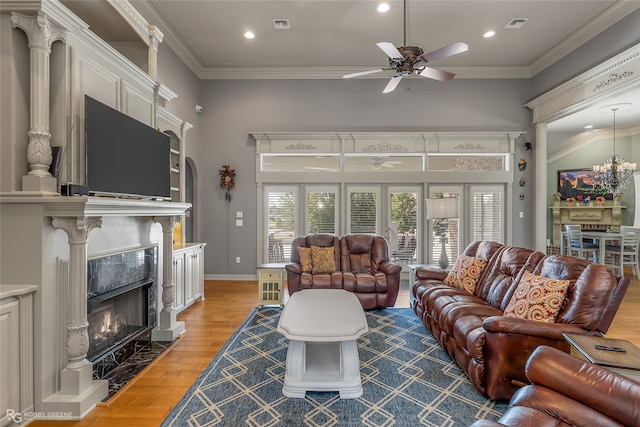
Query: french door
column 393, row 211
column 389, row 210
column 481, row 216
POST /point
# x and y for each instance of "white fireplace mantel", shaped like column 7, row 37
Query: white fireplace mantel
column 31, row 220
column 88, row 206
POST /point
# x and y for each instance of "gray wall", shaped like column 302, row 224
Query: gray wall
column 235, row 108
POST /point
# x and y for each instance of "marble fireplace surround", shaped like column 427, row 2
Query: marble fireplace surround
column 62, row 378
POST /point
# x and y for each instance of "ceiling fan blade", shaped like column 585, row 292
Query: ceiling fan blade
column 435, row 74
column 392, row 84
column 443, row 52
column 391, row 51
column 362, row 73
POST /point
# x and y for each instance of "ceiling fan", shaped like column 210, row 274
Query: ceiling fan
column 406, row 60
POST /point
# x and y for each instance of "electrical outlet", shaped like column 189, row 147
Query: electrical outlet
column 237, row 260
column 521, row 214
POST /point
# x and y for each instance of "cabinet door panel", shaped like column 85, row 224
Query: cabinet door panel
column 178, row 281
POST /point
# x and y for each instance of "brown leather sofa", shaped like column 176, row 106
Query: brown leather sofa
column 566, row 391
column 491, row 348
column 362, row 266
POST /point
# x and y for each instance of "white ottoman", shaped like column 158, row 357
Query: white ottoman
column 322, row 326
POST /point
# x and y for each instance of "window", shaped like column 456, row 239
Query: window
column 281, row 222
column 487, row 213
column 363, row 211
column 322, row 214
column 454, row 238
column 403, row 213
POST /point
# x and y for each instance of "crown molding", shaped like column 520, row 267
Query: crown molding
column 598, row 24
column 174, row 40
column 336, row 72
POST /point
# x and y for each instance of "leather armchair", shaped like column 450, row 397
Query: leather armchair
column 367, row 270
column 298, row 280
column 568, row 391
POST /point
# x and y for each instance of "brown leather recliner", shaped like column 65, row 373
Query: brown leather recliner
column 367, row 270
column 362, row 267
column 298, row 280
column 566, row 391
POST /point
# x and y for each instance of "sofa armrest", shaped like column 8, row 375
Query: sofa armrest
column 514, row 325
column 293, row 267
column 429, row 274
column 593, row 386
column 389, row 268
column 509, row 342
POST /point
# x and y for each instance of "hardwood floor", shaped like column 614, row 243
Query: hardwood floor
column 147, row 400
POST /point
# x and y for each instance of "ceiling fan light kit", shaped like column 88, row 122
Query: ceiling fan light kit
column 407, row 60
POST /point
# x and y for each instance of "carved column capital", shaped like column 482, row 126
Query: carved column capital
column 40, row 32
column 77, row 228
column 167, row 222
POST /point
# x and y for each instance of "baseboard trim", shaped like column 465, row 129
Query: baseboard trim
column 231, row 277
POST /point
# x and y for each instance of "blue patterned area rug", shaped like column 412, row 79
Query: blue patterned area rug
column 407, row 380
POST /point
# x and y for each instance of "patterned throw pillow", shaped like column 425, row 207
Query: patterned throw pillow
column 465, row 273
column 305, row 259
column 323, row 260
column 537, row 298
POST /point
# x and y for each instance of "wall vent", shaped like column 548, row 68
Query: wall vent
column 281, row 24
column 516, row 23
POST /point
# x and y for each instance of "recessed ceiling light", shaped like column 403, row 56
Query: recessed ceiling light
column 249, row 35
column 383, row 7
column 489, row 34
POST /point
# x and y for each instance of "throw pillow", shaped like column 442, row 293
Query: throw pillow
column 465, row 273
column 305, row 259
column 537, row 298
column 323, row 260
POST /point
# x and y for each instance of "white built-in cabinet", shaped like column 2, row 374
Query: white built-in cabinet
column 188, row 274
column 16, row 352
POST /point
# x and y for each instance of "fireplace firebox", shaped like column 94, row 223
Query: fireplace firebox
column 117, row 316
column 121, row 305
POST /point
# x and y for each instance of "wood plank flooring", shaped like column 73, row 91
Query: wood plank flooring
column 147, row 400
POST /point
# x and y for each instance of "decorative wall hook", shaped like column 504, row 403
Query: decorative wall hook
column 227, row 176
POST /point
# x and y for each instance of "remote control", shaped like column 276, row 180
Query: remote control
column 609, row 348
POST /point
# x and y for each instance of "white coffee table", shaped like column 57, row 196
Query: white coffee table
column 322, row 326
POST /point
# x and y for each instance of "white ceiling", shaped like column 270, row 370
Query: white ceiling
column 329, row 38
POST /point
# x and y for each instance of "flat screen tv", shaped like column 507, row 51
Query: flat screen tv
column 125, row 157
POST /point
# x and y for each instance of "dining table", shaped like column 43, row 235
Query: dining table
column 602, row 238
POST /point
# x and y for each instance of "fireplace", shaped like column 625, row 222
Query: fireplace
column 117, row 316
column 121, row 305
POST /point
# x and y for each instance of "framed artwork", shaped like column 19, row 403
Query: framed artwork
column 579, row 182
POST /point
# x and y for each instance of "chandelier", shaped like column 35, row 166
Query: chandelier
column 614, row 174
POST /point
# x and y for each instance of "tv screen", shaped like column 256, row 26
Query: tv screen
column 123, row 155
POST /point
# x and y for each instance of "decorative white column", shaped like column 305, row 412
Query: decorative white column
column 77, row 377
column 40, row 34
column 168, row 327
column 155, row 38
column 636, row 179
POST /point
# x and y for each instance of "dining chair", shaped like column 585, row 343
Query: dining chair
column 626, row 253
column 578, row 245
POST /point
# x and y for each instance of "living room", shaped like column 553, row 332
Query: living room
column 234, row 110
